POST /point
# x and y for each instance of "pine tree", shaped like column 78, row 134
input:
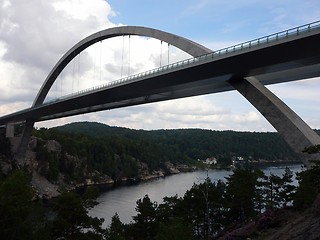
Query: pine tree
column 72, row 220
column 116, row 231
column 145, row 222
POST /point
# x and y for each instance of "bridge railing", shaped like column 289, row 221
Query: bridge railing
column 210, row 56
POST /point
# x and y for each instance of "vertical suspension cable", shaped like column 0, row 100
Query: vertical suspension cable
column 61, row 83
column 73, row 70
column 100, row 62
column 122, row 55
column 56, row 86
column 79, row 64
column 129, row 56
column 168, row 53
column 161, row 54
column 94, row 64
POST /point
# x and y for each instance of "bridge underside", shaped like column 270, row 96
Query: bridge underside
column 121, row 97
column 246, row 72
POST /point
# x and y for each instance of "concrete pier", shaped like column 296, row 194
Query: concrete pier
column 290, row 126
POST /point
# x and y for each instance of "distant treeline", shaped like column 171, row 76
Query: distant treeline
column 119, row 152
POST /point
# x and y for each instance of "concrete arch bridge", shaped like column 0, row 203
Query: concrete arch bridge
column 289, row 55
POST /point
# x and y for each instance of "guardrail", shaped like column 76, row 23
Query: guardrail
column 210, row 56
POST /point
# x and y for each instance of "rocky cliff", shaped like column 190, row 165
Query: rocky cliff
column 54, row 170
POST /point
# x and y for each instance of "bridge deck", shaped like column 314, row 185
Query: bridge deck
column 287, row 56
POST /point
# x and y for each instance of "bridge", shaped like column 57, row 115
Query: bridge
column 247, row 67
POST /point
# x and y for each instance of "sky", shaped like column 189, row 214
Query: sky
column 35, row 34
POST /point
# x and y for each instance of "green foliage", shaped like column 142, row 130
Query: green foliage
column 15, row 205
column 309, row 182
column 118, row 152
column 72, row 220
column 116, row 231
column 20, row 216
column 207, row 208
column 312, row 149
column 309, row 187
column 278, row 191
column 203, row 211
column 193, row 143
column 175, row 229
column 241, row 194
column 145, row 221
column 49, row 162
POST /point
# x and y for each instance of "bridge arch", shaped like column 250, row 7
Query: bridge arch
column 186, row 45
column 289, row 125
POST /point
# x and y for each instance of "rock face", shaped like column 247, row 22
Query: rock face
column 52, row 169
column 53, row 146
column 55, row 170
column 284, row 224
column 299, row 226
column 43, row 188
column 171, row 168
column 5, row 165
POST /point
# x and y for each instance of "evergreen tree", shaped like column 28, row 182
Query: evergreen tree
column 72, row 220
column 309, row 182
column 116, row 231
column 145, row 222
column 308, row 189
column 169, row 209
column 20, row 216
column 273, row 188
column 240, row 195
column 288, row 189
column 175, row 229
column 202, row 208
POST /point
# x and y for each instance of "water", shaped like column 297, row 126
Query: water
column 122, row 200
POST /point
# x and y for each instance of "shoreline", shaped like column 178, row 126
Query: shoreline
column 137, row 180
column 52, row 190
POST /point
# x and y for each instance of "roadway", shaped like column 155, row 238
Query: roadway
column 287, row 59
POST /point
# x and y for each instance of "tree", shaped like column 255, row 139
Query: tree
column 145, row 224
column 194, row 207
column 20, row 216
column 175, row 229
column 202, row 208
column 308, row 189
column 168, row 209
column 240, row 195
column 309, row 182
column 72, row 221
column 116, row 231
column 287, row 190
column 272, row 196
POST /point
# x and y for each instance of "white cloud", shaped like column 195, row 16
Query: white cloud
column 35, row 34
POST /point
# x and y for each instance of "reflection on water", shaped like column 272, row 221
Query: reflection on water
column 123, row 199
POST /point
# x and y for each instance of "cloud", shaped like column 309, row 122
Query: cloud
column 196, row 112
column 302, row 97
column 35, row 34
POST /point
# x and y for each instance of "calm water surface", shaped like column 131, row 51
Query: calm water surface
column 122, row 199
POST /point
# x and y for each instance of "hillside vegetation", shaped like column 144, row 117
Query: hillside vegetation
column 82, row 153
column 126, row 153
column 189, row 144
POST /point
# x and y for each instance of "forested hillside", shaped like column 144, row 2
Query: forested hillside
column 121, row 153
column 192, row 143
column 80, row 154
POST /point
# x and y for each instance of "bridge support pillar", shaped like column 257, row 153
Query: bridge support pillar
column 9, row 130
column 289, row 125
column 23, row 145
